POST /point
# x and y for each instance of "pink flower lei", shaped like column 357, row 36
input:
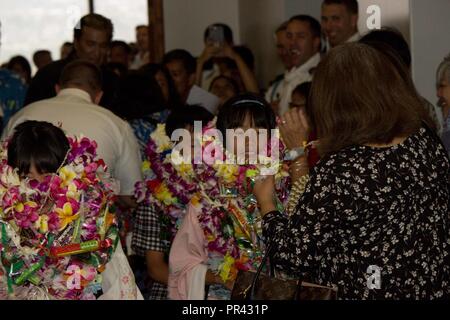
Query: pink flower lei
column 56, row 235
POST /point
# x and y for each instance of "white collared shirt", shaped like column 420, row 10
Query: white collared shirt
column 77, row 115
column 293, row 78
column 353, row 38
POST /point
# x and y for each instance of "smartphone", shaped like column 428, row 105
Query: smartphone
column 216, row 36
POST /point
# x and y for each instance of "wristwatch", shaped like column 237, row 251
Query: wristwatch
column 293, row 154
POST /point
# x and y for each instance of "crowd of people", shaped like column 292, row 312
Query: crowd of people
column 362, row 177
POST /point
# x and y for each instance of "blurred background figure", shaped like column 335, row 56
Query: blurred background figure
column 273, row 94
column 142, row 42
column 41, row 58
column 300, row 96
column 165, row 82
column 224, row 88
column 120, row 53
column 92, row 40
column 66, row 49
column 443, row 93
column 20, row 66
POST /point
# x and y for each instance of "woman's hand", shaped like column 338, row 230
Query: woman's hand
column 294, row 128
column 264, row 191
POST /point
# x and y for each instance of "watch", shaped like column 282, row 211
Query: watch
column 293, row 154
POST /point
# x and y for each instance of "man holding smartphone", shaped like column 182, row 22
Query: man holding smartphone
column 215, row 37
column 218, row 53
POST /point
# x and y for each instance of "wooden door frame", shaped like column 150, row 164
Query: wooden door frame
column 156, row 34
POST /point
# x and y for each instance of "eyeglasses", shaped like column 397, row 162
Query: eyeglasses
column 295, row 105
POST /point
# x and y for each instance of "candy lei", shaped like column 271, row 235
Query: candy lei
column 56, row 235
column 229, row 215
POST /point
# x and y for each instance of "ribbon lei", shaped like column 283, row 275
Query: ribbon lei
column 8, row 274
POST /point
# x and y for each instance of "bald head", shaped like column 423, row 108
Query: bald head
column 84, row 75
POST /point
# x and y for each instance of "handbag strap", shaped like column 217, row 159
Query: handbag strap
column 267, row 255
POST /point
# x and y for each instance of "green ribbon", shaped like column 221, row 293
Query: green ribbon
column 8, row 275
column 29, row 274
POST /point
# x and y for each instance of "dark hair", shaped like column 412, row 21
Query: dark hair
column 233, row 113
column 230, row 80
column 227, row 32
column 282, row 27
column 118, row 68
column 38, row 54
column 246, row 54
column 351, row 5
column 374, row 107
column 304, row 89
column 83, row 74
column 95, row 21
column 380, row 39
column 141, row 26
column 133, row 47
column 68, row 44
column 121, row 44
column 188, row 61
column 314, row 25
column 139, row 96
column 23, row 62
column 185, row 116
column 37, row 143
column 151, row 69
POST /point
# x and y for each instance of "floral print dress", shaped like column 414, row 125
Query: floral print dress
column 372, row 212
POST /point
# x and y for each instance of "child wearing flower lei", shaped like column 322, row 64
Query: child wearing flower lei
column 166, row 187
column 58, row 231
column 162, row 199
column 222, row 222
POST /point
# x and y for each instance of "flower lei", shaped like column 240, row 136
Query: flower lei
column 229, row 211
column 230, row 223
column 56, row 235
column 166, row 187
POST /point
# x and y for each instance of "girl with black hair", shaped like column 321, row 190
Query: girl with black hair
column 55, row 201
column 220, row 232
column 32, row 157
column 165, row 82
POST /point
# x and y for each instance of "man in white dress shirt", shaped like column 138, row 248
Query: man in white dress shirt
column 75, row 109
column 340, row 22
column 304, row 40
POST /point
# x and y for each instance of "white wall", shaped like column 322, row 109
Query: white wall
column 393, row 13
column 430, row 25
column 186, row 20
column 309, row 7
column 258, row 21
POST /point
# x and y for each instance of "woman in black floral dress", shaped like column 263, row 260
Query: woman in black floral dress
column 374, row 215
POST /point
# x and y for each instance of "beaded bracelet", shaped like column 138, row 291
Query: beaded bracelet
column 296, row 167
column 296, row 192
